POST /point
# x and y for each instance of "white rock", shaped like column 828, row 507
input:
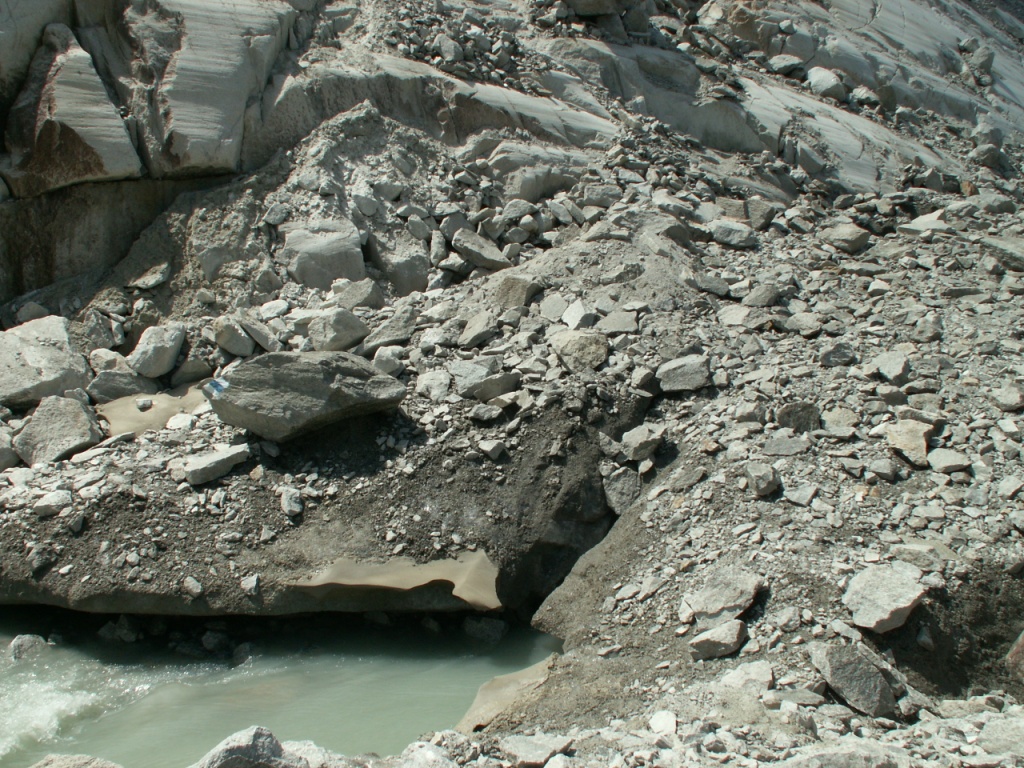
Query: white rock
column 882, row 597
column 157, row 350
column 207, row 467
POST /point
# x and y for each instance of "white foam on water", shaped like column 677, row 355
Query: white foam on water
column 354, row 694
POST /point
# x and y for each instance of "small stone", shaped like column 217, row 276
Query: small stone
column 838, row 355
column 191, row 587
column 1009, row 398
column 663, row 723
column 531, row 751
column 641, row 443
column 478, row 250
column 52, row 504
column 207, row 467
column 799, row 416
column 621, row 489
column 894, row 367
column 909, row 439
column 493, row 449
column 250, row 585
column 948, row 461
column 157, row 350
column 763, row 479
column 291, row 501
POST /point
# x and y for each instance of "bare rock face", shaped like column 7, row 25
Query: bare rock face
column 63, row 130
column 187, row 71
column 285, row 394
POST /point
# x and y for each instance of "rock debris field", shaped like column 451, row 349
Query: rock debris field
column 690, row 332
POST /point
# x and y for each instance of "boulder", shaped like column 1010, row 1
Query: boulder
column 37, row 360
column 1003, row 736
column 478, row 250
column 685, row 374
column 255, row 746
column 189, row 73
column 826, row 83
column 60, row 427
column 319, row 253
column 157, row 350
column 336, row 331
column 721, row 641
column 725, row 596
column 580, row 350
column 881, row 597
column 63, row 128
column 848, row 238
column 113, row 385
column 232, row 337
column 852, row 675
column 285, row 394
column 733, row 234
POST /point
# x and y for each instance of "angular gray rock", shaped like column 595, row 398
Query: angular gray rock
column 37, row 360
column 255, row 746
column 621, row 489
column 852, row 675
column 8, row 457
column 909, row 439
column 825, row 82
column 534, row 751
column 848, row 238
column 721, row 641
column 157, row 350
column 114, row 384
column 881, row 597
column 581, row 350
column 284, row 394
column 726, row 594
column 232, row 337
column 947, row 461
column 337, row 330
column 207, row 467
column 800, row 416
column 733, row 234
column 60, row 427
column 478, row 250
column 684, row 374
column 321, row 252
column 763, row 478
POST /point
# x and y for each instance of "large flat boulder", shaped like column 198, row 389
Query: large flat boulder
column 285, row 394
column 63, row 128
column 37, row 360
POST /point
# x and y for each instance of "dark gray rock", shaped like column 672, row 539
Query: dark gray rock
column 285, row 394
